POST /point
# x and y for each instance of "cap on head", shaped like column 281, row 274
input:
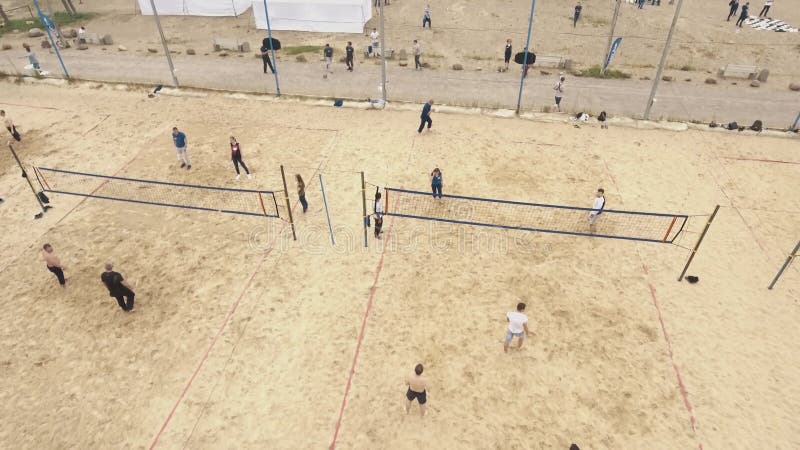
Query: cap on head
column 520, row 306
column 418, row 369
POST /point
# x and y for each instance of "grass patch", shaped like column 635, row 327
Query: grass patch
column 594, row 72
column 298, row 49
column 60, row 18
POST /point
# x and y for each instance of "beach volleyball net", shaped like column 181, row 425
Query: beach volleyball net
column 545, row 218
column 160, row 193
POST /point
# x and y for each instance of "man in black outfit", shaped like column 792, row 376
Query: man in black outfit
column 265, row 56
column 349, row 56
column 117, row 287
column 734, row 4
column 744, row 15
column 425, row 116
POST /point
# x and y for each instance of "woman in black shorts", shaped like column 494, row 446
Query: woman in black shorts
column 236, row 157
column 508, row 52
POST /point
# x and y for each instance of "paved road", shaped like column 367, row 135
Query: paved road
column 676, row 100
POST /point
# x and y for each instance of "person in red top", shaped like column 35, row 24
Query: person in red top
column 236, row 157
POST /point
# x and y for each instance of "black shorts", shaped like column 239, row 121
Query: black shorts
column 421, row 397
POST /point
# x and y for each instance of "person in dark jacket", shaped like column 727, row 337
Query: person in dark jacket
column 734, row 4
column 507, row 55
column 744, row 14
column 118, row 288
column 425, row 116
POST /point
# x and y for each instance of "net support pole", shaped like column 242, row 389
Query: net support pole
column 660, row 70
column 327, row 214
column 164, row 44
column 288, row 204
column 28, row 179
column 525, row 57
column 786, row 263
column 272, row 52
column 699, row 239
column 383, row 53
column 364, row 209
column 610, row 37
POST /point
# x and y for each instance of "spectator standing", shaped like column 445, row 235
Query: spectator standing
column 744, row 14
column 417, row 54
column 426, row 17
column 118, row 288
column 179, row 138
column 765, row 9
column 425, row 116
column 375, row 44
column 507, row 54
column 265, row 56
column 9, row 124
column 577, row 15
column 328, row 53
column 734, row 4
column 559, row 88
column 348, row 51
column 301, row 191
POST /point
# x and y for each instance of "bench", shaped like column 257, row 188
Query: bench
column 231, row 45
column 554, row 61
column 734, row 70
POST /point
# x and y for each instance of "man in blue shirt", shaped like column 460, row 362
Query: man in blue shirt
column 180, row 148
column 426, row 116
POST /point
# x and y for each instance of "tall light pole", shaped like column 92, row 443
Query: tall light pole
column 525, row 57
column 383, row 52
column 663, row 61
column 610, row 37
column 164, row 44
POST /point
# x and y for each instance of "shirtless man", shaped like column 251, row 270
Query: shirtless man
column 417, row 389
column 53, row 263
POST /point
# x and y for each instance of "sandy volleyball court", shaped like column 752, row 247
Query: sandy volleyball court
column 244, row 338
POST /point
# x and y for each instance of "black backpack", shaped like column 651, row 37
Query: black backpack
column 733, row 126
column 757, row 126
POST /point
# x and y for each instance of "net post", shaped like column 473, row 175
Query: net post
column 364, row 209
column 671, row 224
column 27, row 178
column 699, row 241
column 786, row 263
column 327, row 214
column 288, row 204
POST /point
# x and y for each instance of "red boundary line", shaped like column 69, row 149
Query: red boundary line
column 372, row 291
column 681, row 385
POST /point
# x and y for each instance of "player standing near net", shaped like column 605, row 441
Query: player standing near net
column 117, row 287
column 597, row 209
column 179, row 138
column 417, row 389
column 436, row 182
column 54, row 264
column 301, row 191
column 517, row 326
column 425, row 116
column 236, row 157
column 378, row 215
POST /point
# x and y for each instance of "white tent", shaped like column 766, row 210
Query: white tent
column 195, row 7
column 328, row 16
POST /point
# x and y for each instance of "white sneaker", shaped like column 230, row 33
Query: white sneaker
column 249, row 177
column 238, row 176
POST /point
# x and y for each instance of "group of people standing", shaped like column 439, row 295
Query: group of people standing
column 745, row 11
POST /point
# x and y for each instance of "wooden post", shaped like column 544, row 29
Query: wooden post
column 288, row 204
column 788, row 261
column 699, row 241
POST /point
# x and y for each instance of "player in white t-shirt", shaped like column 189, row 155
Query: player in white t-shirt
column 597, row 209
column 517, row 326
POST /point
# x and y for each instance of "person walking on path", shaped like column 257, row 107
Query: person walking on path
column 378, row 213
column 559, row 88
column 265, row 56
column 417, row 54
column 348, row 59
column 375, row 42
column 507, row 54
column 417, row 390
column 426, row 17
column 744, row 14
column 765, row 9
column 641, row 4
column 9, row 124
column 179, row 138
column 734, row 4
column 597, row 208
column 236, row 157
column 425, row 116
column 32, row 59
column 54, row 264
column 577, row 15
column 301, row 191
column 328, row 53
column 118, row 288
column 517, row 327
column 436, row 182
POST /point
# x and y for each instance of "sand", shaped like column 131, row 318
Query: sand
column 244, row 338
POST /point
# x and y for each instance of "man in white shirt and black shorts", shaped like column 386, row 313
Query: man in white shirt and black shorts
column 517, row 326
column 597, row 209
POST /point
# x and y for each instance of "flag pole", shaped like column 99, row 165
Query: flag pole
column 164, row 44
column 525, row 57
column 660, row 70
column 610, row 38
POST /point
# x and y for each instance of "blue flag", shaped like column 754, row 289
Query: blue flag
column 613, row 51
